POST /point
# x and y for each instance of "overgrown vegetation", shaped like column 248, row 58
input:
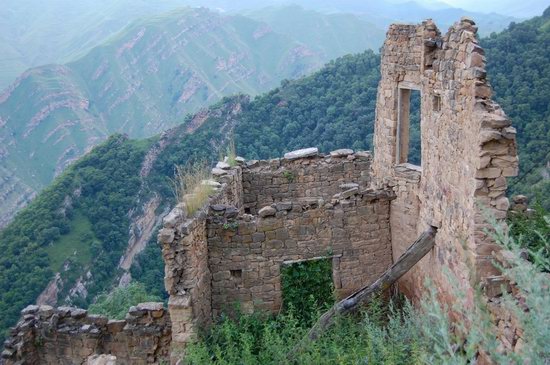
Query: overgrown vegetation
column 191, row 185
column 306, row 285
column 115, row 304
column 394, row 335
column 533, row 232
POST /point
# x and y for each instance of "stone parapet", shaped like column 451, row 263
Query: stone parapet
column 67, row 335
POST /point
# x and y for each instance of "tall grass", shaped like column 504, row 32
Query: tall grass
column 231, row 153
column 190, row 187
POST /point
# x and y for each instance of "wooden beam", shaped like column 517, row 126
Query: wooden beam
column 408, row 259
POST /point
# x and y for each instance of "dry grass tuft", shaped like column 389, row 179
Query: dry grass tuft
column 189, row 186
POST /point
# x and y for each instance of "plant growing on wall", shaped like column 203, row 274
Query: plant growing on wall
column 191, row 187
column 289, row 176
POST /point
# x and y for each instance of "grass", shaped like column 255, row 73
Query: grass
column 231, row 153
column 189, row 186
column 75, row 244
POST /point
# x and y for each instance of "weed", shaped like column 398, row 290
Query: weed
column 189, row 186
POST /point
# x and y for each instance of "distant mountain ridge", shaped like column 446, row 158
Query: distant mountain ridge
column 145, row 80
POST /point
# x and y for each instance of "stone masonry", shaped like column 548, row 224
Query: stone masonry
column 468, row 151
column 67, row 336
column 266, row 214
column 360, row 212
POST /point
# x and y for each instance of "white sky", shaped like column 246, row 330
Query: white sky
column 518, row 8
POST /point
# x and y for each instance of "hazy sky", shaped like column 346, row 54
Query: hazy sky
column 519, row 8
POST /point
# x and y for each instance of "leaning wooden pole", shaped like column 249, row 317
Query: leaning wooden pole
column 408, row 259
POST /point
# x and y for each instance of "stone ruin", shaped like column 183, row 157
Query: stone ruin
column 358, row 210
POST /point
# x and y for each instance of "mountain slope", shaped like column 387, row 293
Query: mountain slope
column 332, row 31
column 58, row 31
column 141, row 82
column 113, row 197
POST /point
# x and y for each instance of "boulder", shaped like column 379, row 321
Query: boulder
column 223, row 165
column 218, row 172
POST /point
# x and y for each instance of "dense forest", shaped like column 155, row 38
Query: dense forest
column 81, row 222
column 518, row 65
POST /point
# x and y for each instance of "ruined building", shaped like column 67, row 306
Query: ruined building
column 359, row 210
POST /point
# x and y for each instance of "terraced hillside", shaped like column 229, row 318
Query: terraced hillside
column 140, row 83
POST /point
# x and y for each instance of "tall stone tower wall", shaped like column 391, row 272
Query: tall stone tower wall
column 467, row 151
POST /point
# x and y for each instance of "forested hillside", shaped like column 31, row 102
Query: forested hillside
column 518, row 65
column 52, row 225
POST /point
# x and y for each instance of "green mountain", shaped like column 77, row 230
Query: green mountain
column 143, row 81
column 518, row 64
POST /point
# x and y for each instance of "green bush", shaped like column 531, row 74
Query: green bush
column 115, row 305
column 307, row 285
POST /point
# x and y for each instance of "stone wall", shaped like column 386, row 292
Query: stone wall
column 468, row 150
column 246, row 253
column 67, row 336
column 266, row 182
column 185, row 251
column 305, row 206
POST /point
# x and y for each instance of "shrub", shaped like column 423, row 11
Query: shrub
column 115, row 305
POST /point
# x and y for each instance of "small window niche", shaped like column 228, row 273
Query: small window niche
column 437, row 103
column 409, row 127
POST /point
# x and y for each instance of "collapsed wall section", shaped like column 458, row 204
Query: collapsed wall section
column 66, row 335
column 467, row 152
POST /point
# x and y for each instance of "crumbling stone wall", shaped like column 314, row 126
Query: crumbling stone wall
column 246, row 253
column 67, row 336
column 299, row 176
column 468, row 151
column 305, row 206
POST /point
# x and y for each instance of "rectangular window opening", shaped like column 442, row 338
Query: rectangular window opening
column 409, row 121
column 237, row 274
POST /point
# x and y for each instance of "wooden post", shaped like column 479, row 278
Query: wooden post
column 408, row 259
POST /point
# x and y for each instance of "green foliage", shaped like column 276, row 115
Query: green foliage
column 115, row 305
column 518, row 65
column 307, row 285
column 231, row 226
column 532, row 231
column 263, row 339
column 92, row 197
column 289, row 176
column 148, row 269
column 333, row 108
